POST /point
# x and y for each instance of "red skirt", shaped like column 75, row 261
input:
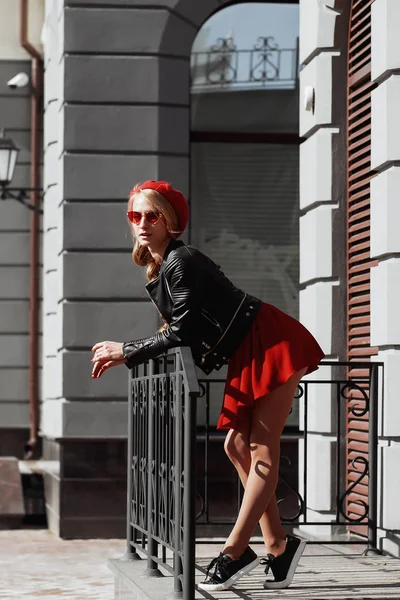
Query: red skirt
column 275, row 348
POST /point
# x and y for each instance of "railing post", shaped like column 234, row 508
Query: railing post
column 373, row 462
column 130, row 553
column 151, row 456
column 189, row 515
column 206, row 447
column 338, row 450
column 152, row 546
column 178, row 472
column 305, row 452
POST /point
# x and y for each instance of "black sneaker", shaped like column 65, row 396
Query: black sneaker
column 284, row 565
column 223, row 571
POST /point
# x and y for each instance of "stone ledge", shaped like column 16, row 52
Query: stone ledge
column 385, row 21
column 30, row 467
column 317, row 28
column 132, row 582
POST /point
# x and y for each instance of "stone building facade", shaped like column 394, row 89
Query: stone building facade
column 350, row 60
column 117, row 97
column 117, row 110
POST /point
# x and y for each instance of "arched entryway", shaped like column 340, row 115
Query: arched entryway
column 245, row 150
column 244, row 186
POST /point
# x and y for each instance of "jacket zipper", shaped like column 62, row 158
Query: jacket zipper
column 158, row 310
column 203, row 359
column 210, row 318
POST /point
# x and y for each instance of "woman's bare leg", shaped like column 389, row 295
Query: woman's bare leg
column 237, row 447
column 268, row 419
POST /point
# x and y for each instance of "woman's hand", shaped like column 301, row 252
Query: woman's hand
column 106, row 355
column 100, row 367
column 105, row 351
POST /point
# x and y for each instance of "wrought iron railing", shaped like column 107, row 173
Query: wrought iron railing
column 161, row 515
column 164, row 493
column 294, row 503
column 223, row 65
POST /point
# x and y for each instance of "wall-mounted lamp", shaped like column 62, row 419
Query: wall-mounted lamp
column 8, row 159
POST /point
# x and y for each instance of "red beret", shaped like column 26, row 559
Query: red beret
column 174, row 197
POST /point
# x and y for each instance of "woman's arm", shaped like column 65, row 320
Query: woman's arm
column 184, row 285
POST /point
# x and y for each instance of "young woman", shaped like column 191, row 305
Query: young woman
column 267, row 353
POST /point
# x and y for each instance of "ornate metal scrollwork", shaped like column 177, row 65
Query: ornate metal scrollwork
column 171, row 504
column 172, row 399
column 356, row 410
column 163, row 501
column 299, row 393
column 162, row 395
column 139, row 397
column 182, row 393
column 291, row 494
column 134, row 491
column 142, row 493
column 202, row 505
column 203, row 390
column 363, row 461
column 265, row 60
column 222, row 62
column 158, row 451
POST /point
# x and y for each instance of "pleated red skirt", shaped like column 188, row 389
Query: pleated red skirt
column 275, row 348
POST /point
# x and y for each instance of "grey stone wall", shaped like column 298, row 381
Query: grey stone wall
column 14, row 260
column 116, row 112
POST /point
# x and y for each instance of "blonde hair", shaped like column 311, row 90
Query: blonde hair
column 141, row 254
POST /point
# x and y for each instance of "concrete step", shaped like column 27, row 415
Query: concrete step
column 324, row 573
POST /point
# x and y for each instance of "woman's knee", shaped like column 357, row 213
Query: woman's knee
column 237, row 448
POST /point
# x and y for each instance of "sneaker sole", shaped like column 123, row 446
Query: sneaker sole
column 217, row 587
column 278, row 585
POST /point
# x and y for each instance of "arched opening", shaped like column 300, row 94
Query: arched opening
column 245, row 178
column 244, row 148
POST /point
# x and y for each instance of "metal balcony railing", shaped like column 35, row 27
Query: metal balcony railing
column 164, row 491
column 224, row 66
column 161, row 518
column 351, row 395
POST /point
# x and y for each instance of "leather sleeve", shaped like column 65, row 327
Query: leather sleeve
column 184, row 286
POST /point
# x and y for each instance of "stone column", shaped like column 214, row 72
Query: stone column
column 322, row 200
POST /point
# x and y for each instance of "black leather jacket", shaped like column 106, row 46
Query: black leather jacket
column 203, row 309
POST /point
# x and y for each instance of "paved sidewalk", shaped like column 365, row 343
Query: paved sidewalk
column 34, row 564
column 324, row 572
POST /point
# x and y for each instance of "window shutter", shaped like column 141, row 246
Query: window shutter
column 245, row 215
column 359, row 262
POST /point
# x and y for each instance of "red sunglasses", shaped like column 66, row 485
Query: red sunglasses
column 151, row 217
